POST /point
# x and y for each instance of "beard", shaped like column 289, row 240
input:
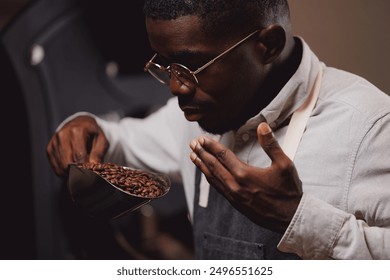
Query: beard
column 221, row 127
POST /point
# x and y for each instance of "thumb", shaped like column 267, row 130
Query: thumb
column 99, row 148
column 268, row 142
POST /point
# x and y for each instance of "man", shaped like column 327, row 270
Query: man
column 315, row 187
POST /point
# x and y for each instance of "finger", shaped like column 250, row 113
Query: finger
column 204, row 160
column 214, row 170
column 59, row 156
column 75, row 149
column 203, row 168
column 269, row 144
column 99, row 148
column 52, row 155
column 224, row 155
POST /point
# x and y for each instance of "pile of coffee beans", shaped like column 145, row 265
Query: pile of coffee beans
column 135, row 182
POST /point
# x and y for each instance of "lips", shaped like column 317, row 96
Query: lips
column 193, row 109
column 192, row 113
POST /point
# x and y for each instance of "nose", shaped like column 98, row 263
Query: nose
column 178, row 88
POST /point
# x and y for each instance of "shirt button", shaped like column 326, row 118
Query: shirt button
column 245, row 137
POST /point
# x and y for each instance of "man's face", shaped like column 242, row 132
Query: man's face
column 227, row 88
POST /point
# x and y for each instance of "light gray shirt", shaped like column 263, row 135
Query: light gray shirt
column 343, row 159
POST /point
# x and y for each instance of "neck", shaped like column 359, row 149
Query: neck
column 279, row 75
column 285, row 66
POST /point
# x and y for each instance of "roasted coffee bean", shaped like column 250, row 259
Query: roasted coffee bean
column 135, row 182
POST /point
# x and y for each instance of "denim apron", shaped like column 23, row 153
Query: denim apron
column 222, row 232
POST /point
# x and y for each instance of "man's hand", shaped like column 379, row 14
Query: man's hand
column 80, row 140
column 268, row 196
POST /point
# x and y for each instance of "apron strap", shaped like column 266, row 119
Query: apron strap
column 300, row 118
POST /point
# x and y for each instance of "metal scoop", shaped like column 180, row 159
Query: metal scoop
column 101, row 199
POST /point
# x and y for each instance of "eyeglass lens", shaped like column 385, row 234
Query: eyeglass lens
column 182, row 73
column 160, row 73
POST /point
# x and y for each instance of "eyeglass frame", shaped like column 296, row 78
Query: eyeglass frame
column 193, row 73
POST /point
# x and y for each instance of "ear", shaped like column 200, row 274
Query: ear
column 272, row 41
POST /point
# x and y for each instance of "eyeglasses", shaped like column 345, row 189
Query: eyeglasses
column 181, row 72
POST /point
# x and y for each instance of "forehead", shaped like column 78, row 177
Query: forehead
column 181, row 34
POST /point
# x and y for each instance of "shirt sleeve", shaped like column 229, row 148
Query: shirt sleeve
column 362, row 230
column 151, row 143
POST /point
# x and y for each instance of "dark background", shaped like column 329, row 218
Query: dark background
column 80, row 39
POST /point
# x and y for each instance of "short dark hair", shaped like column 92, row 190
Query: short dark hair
column 221, row 15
